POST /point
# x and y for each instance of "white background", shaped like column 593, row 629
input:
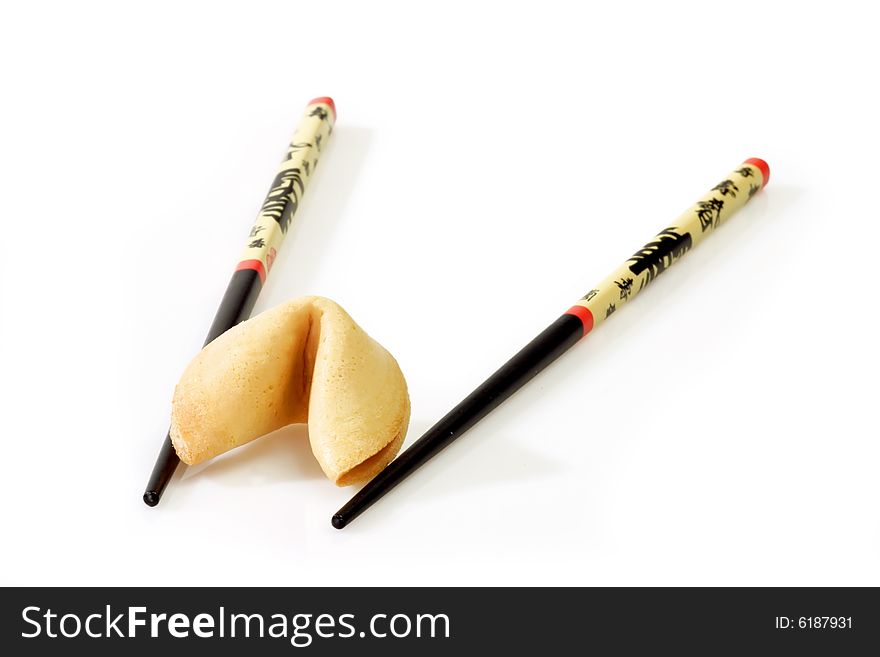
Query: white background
column 491, row 162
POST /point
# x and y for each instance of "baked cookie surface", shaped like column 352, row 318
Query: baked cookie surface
column 303, row 361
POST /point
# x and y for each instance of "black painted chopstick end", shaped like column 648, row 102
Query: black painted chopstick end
column 167, row 464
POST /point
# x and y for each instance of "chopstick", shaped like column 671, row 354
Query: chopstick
column 626, row 282
column 262, row 246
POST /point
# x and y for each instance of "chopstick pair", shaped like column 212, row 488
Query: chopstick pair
column 263, row 243
column 627, row 281
column 597, row 305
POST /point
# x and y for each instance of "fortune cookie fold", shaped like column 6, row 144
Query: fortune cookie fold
column 303, row 361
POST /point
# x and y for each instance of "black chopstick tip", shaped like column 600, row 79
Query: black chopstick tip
column 151, row 498
column 338, row 521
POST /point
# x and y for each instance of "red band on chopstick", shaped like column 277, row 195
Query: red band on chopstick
column 763, row 166
column 256, row 265
column 584, row 315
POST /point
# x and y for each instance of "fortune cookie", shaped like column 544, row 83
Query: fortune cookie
column 303, row 361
